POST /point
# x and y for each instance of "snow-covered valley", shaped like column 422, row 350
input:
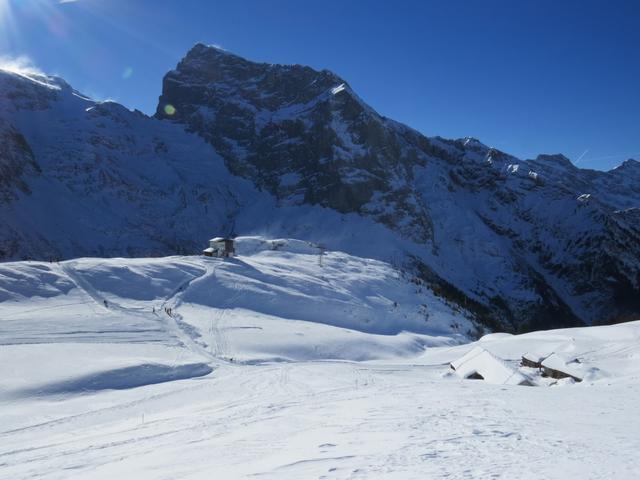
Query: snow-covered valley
column 285, row 363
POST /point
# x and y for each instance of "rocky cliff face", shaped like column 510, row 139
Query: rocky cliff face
column 539, row 242
column 16, row 162
column 242, row 147
column 303, row 135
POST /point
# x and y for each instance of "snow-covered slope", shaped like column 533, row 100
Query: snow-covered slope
column 287, row 151
column 273, row 365
column 98, row 179
column 275, row 293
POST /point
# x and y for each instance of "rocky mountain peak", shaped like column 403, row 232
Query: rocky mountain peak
column 301, row 134
column 261, row 85
column 630, row 165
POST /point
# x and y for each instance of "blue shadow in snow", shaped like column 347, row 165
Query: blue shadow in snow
column 119, row 379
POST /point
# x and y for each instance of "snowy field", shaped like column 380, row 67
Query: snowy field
column 282, row 364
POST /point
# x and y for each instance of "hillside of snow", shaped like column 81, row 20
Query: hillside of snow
column 278, row 300
column 287, row 363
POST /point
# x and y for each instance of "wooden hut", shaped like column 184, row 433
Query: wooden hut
column 220, row 247
column 555, row 366
column 533, row 360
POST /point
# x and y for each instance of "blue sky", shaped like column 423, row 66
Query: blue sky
column 527, row 77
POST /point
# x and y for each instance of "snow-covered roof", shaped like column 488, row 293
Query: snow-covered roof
column 535, row 357
column 492, row 369
column 218, row 239
column 556, row 362
column 208, row 250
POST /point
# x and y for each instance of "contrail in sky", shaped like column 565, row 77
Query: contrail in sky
column 581, row 156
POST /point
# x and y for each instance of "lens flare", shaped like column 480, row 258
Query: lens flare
column 169, row 109
column 127, row 73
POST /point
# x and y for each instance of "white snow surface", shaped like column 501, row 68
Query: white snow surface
column 272, row 365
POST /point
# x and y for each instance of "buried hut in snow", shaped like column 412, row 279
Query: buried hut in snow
column 551, row 365
column 555, row 366
column 220, row 247
column 479, row 364
column 533, row 359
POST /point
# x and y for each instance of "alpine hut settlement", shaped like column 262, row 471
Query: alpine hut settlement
column 220, row 247
column 479, row 364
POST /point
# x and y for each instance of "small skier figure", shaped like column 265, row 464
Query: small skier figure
column 106, row 304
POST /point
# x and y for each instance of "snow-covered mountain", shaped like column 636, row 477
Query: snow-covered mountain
column 552, row 240
column 238, row 147
column 95, row 178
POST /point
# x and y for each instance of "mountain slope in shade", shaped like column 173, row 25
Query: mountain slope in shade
column 287, row 151
column 91, row 178
column 538, row 239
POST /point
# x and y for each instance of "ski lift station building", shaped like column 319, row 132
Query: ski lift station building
column 220, row 247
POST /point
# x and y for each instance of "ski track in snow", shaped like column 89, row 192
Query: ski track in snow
column 221, row 388
column 174, row 321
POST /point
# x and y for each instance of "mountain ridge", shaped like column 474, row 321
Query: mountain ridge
column 251, row 147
